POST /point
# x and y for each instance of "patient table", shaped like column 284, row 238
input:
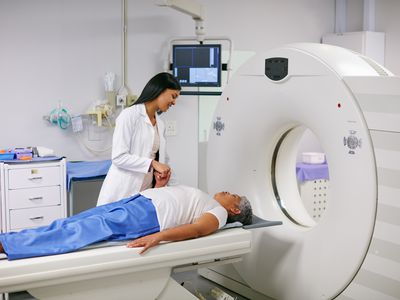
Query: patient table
column 119, row 272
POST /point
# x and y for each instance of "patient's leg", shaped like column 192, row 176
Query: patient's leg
column 1, row 248
column 123, row 221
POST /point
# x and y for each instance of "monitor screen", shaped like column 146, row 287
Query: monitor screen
column 197, row 65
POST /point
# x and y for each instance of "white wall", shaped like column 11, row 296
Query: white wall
column 259, row 25
column 388, row 21
column 55, row 50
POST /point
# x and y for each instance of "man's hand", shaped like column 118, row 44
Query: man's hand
column 146, row 242
column 161, row 168
column 160, row 179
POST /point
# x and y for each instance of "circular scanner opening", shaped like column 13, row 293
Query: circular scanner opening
column 300, row 176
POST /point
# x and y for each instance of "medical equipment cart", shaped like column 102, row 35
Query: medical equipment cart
column 33, row 193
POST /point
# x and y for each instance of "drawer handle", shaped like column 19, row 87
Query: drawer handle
column 36, row 218
column 36, row 198
column 36, row 178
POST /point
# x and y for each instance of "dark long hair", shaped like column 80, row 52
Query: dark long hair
column 156, row 85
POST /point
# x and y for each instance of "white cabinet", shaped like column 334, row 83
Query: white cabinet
column 32, row 194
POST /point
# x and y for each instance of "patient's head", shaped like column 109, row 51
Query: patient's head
column 239, row 208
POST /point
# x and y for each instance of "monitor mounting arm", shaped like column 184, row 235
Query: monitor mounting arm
column 191, row 8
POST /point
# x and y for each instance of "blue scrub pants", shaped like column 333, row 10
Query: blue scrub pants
column 126, row 219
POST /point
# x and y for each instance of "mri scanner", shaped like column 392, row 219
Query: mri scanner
column 353, row 106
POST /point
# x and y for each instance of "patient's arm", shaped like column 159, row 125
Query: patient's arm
column 205, row 225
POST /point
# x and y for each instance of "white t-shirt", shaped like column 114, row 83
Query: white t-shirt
column 179, row 204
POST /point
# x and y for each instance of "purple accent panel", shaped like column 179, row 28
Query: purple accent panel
column 305, row 172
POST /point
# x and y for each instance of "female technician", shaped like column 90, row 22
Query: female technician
column 138, row 150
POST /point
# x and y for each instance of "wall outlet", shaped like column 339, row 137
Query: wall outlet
column 171, row 128
column 121, row 100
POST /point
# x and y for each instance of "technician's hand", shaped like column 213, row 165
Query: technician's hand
column 163, row 169
column 146, row 242
column 160, row 180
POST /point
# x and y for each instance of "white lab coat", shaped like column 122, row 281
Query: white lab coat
column 132, row 144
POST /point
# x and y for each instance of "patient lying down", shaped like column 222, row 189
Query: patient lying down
column 164, row 213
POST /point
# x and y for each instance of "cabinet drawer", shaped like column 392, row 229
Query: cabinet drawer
column 34, row 177
column 36, row 197
column 33, row 217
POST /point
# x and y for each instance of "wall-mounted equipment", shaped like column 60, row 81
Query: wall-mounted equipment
column 59, row 116
column 191, row 8
column 197, row 64
column 102, row 111
column 198, row 72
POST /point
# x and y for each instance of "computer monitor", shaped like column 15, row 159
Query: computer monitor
column 197, row 65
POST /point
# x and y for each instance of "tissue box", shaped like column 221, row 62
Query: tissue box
column 23, row 153
column 24, row 156
column 313, row 157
